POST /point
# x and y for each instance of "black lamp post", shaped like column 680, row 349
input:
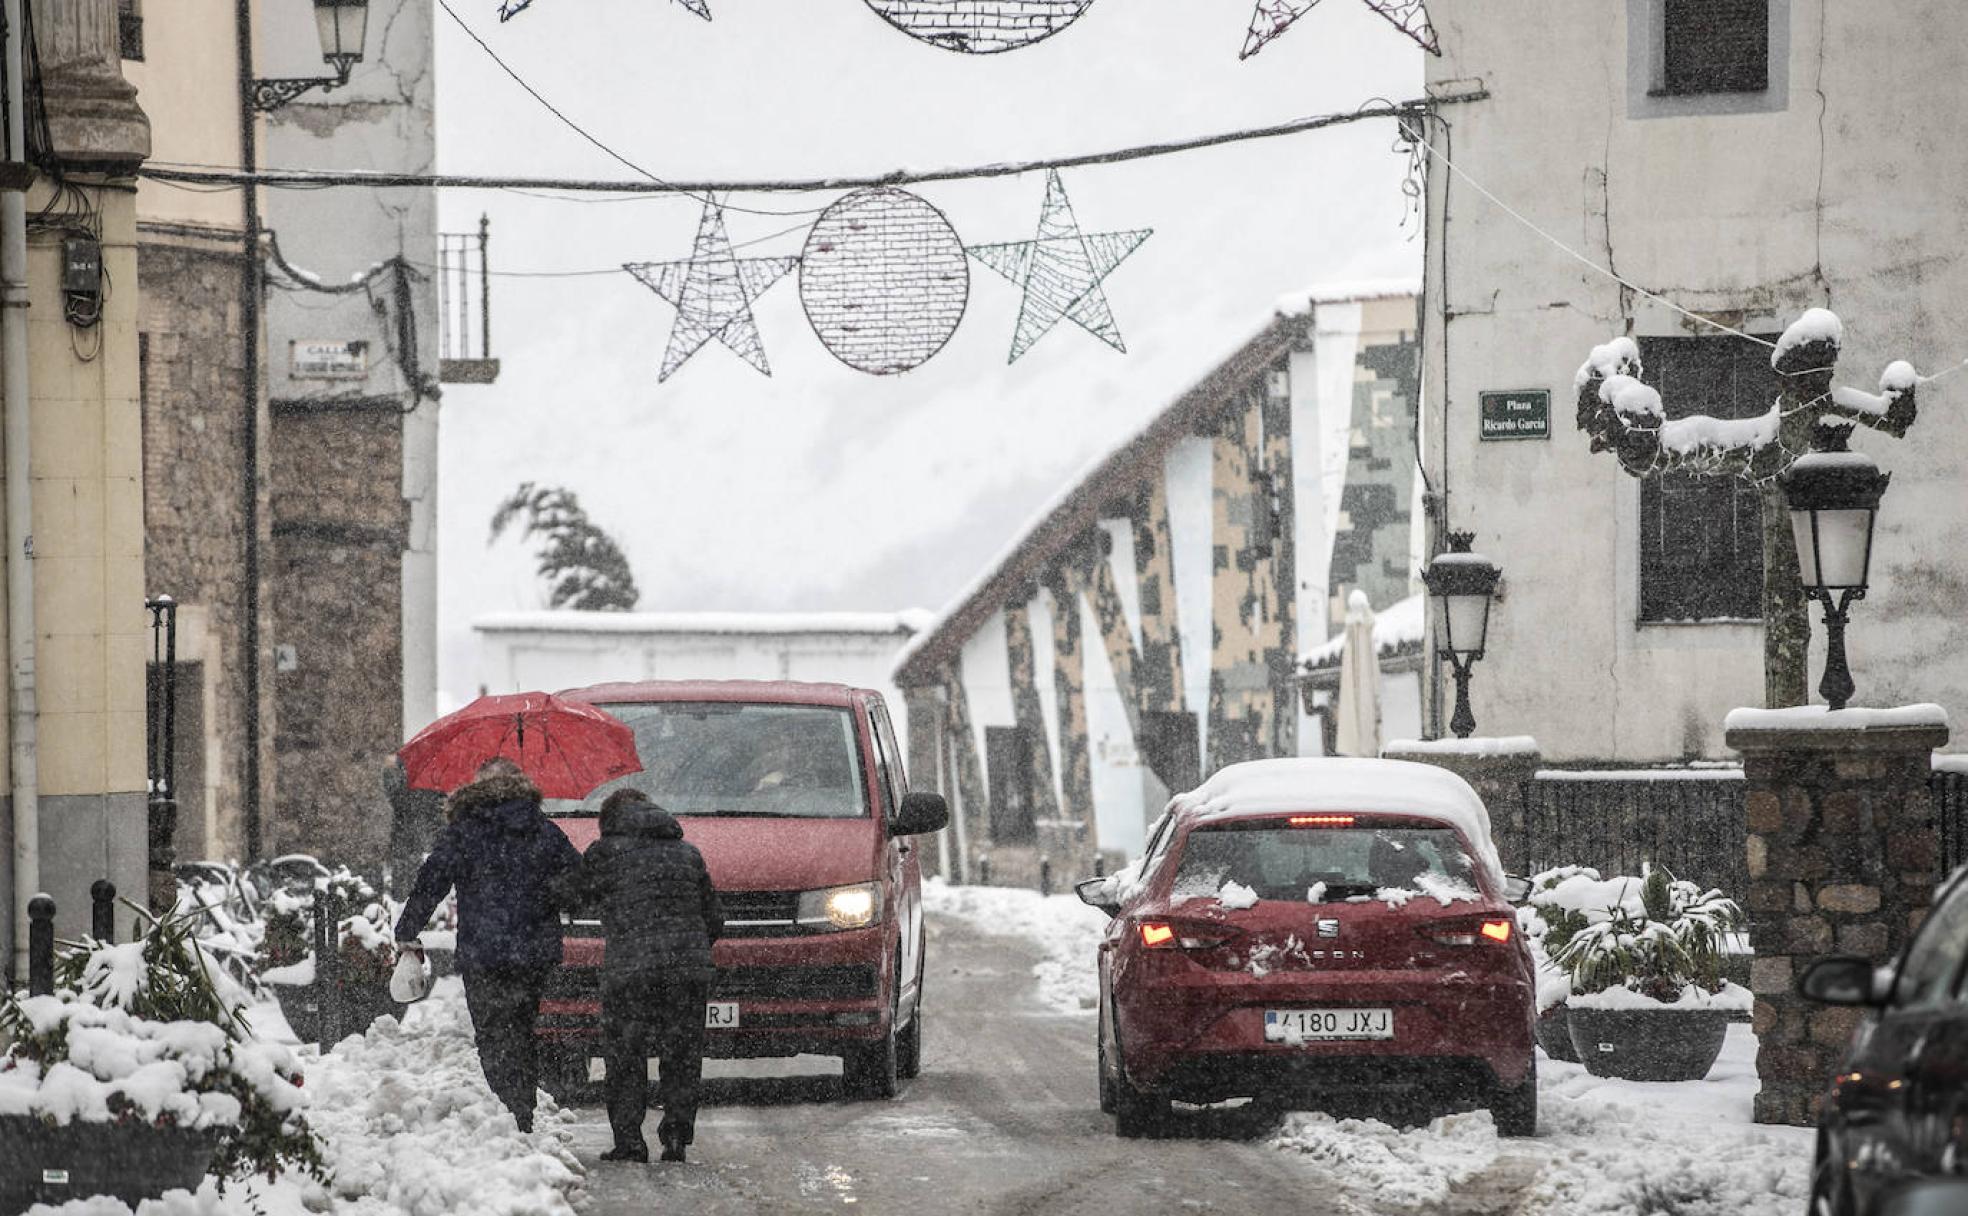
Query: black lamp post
column 1460, row 586
column 342, row 25
column 1834, row 497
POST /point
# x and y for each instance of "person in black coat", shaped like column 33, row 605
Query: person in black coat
column 509, row 863
column 659, row 916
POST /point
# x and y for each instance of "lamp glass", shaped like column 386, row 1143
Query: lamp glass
column 343, row 26
column 1461, row 621
column 1840, row 558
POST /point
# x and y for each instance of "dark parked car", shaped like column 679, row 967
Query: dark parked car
column 1897, row 1111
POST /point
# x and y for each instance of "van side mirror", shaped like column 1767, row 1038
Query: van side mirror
column 920, row 814
column 1843, row 980
column 1098, row 893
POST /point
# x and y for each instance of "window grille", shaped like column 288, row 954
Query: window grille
column 1714, row 46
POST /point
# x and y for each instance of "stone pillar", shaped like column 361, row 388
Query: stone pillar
column 1844, row 856
column 1497, row 768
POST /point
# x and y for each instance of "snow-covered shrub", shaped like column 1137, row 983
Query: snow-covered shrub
column 364, row 940
column 1660, row 939
column 152, row 1032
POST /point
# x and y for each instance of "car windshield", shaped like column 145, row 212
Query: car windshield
column 1322, row 863
column 731, row 758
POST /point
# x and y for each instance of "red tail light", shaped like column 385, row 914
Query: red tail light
column 1321, row 821
column 1492, row 930
column 1170, row 935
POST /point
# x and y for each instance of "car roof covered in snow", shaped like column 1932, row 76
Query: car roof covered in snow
column 1341, row 785
column 762, row 692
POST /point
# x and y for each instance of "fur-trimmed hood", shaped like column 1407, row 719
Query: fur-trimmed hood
column 491, row 793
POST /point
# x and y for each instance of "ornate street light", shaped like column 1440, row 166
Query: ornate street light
column 343, row 25
column 1834, row 496
column 1460, row 586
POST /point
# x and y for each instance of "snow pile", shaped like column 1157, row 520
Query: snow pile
column 1604, row 1148
column 1620, row 357
column 1632, row 398
column 1823, row 717
column 1067, row 930
column 1699, row 431
column 408, row 1129
column 1236, row 895
column 121, row 1067
column 1505, row 745
column 1734, row 998
column 1816, row 325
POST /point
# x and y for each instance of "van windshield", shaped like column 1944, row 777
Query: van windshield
column 730, row 758
column 1294, row 863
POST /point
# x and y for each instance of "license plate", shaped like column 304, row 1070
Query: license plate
column 1327, row 1025
column 721, row 1015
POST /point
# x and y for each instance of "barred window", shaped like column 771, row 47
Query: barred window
column 1714, row 46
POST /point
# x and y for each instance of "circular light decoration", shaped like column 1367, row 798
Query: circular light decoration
column 884, row 280
column 980, row 27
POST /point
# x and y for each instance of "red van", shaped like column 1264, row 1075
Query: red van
column 796, row 795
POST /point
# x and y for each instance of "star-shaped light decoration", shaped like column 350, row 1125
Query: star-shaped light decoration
column 508, row 9
column 1061, row 272
column 1274, row 17
column 713, row 292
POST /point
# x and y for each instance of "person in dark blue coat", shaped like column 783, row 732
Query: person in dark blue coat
column 659, row 916
column 509, row 863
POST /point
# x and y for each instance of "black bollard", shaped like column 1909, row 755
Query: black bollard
column 327, row 968
column 984, row 870
column 1045, row 875
column 40, row 946
column 102, row 910
column 1100, row 865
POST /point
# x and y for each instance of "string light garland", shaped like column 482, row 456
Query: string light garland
column 513, row 8
column 713, row 290
column 980, row 27
column 1272, row 18
column 884, row 280
column 1060, row 272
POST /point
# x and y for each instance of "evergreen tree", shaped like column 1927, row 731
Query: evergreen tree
column 583, row 566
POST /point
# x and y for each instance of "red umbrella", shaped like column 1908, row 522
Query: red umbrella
column 567, row 748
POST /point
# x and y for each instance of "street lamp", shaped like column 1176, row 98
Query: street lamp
column 1834, row 496
column 1460, row 586
column 342, row 26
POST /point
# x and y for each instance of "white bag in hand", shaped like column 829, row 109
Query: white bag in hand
column 411, row 981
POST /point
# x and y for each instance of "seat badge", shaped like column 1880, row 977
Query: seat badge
column 1328, row 928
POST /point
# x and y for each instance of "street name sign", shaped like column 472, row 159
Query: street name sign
column 1518, row 414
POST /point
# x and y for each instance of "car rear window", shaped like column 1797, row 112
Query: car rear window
column 1324, row 863
column 737, row 759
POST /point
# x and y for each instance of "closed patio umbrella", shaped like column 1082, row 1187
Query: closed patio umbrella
column 1359, row 682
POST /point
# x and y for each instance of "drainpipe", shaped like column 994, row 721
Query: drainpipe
column 14, row 410
column 249, row 431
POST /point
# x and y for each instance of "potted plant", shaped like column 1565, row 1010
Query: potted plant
column 138, row 1076
column 365, row 955
column 1551, row 916
column 1649, row 1002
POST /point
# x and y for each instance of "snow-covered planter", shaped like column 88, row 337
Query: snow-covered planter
column 1551, row 916
column 1647, row 1000
column 137, row 1076
column 365, row 953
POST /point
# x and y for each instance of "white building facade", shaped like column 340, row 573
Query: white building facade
column 1745, row 161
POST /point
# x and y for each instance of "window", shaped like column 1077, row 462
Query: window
column 1324, row 865
column 1701, row 538
column 1714, row 46
column 1928, row 975
column 892, row 784
column 129, row 28
column 1008, row 752
column 1169, row 747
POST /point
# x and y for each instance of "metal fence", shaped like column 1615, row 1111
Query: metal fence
column 1950, row 790
column 1689, row 820
column 465, row 293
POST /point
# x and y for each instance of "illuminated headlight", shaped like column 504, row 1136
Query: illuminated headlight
column 854, row 907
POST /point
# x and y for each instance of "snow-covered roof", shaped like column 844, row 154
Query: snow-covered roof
column 1339, row 785
column 1401, row 627
column 1078, row 503
column 1298, row 303
column 907, row 622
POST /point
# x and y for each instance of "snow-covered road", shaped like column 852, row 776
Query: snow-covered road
column 1003, row 1120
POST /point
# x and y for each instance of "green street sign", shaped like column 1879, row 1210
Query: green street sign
column 1521, row 414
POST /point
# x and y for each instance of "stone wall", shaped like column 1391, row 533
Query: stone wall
column 1844, row 857
column 338, row 538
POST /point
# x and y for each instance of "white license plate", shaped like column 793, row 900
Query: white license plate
column 1327, row 1025
column 721, row 1015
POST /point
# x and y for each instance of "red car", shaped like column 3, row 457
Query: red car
column 796, row 796
column 1307, row 929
